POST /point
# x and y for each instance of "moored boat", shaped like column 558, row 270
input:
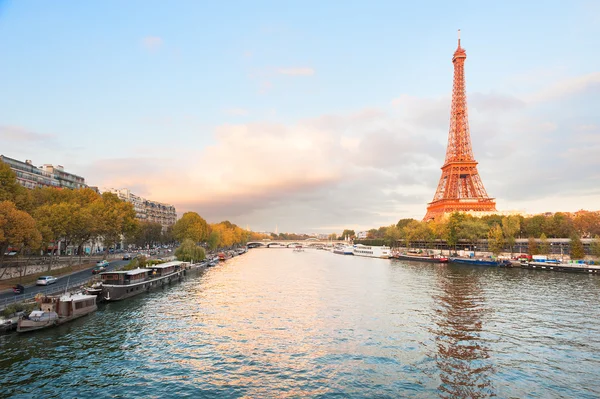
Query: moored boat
column 57, row 310
column 117, row 285
column 480, row 262
column 421, row 257
column 344, row 250
column 371, row 251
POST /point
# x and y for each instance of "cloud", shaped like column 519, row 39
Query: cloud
column 301, row 71
column 237, row 112
column 567, row 87
column 19, row 134
column 372, row 166
column 152, row 43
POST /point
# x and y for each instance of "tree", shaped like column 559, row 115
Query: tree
column 392, row 235
column 576, row 248
column 213, row 240
column 348, row 233
column 510, row 227
column 532, row 246
column 115, row 218
column 452, row 228
column 332, row 236
column 544, row 247
column 188, row 251
column 403, row 223
column 191, row 226
column 496, row 239
column 11, row 190
column 17, row 230
column 595, row 246
column 472, row 230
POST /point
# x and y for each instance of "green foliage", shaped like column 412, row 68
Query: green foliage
column 378, row 242
column 533, row 246
column 576, row 247
column 402, row 223
column 347, row 233
column 496, row 239
column 595, row 246
column 188, row 251
column 511, row 225
column 213, row 240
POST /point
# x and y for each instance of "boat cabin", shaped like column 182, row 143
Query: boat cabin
column 164, row 269
column 67, row 305
column 125, row 277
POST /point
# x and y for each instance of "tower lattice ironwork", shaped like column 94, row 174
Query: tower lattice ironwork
column 460, row 187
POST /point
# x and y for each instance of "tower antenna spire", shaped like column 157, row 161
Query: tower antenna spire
column 459, row 38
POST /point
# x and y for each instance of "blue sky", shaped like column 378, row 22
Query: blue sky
column 273, row 113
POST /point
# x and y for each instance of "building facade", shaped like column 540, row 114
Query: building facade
column 65, row 179
column 30, row 176
column 147, row 210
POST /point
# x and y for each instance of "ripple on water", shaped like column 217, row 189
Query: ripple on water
column 274, row 323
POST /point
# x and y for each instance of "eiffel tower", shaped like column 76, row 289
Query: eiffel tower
column 460, row 187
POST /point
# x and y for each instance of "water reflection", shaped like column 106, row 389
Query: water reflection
column 461, row 353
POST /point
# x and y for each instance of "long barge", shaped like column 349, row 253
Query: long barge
column 421, row 258
column 561, row 267
column 480, row 262
column 117, row 285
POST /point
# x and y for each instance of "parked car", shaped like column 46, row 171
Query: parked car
column 98, row 269
column 127, row 257
column 102, row 263
column 46, row 280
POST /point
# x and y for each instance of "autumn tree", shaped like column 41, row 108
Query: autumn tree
column 116, row 218
column 532, row 246
column 191, row 226
column 510, row 227
column 544, row 247
column 496, row 239
column 576, row 248
column 17, row 230
column 11, row 190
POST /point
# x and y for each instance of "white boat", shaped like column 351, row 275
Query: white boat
column 57, row 310
column 344, row 250
column 372, row 251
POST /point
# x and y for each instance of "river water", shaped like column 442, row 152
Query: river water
column 276, row 323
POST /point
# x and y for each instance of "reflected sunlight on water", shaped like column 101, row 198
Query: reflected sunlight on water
column 274, row 323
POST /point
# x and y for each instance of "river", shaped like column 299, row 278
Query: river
column 278, row 323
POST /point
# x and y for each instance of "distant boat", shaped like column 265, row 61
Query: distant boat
column 421, row 258
column 481, row 262
column 372, row 251
column 344, row 250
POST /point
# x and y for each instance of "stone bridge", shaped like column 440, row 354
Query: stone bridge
column 309, row 242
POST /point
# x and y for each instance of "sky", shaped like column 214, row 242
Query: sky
column 304, row 116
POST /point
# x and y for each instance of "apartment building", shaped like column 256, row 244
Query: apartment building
column 30, row 176
column 148, row 210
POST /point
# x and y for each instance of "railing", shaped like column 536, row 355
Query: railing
column 50, row 290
